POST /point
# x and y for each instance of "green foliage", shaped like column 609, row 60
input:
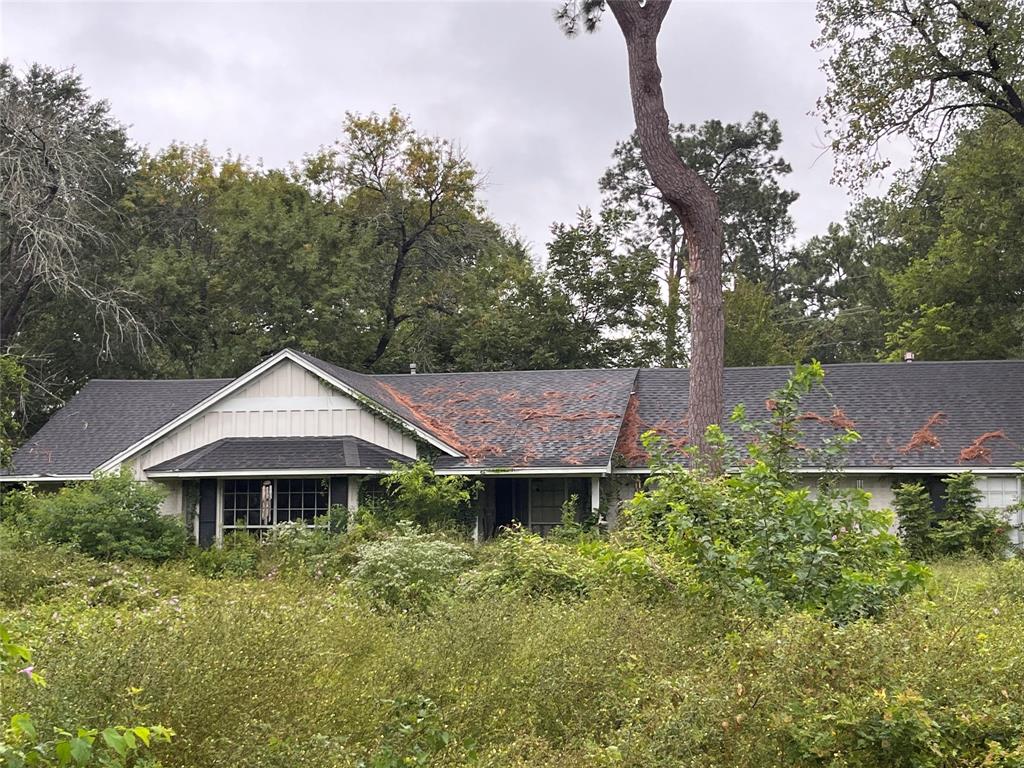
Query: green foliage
column 913, row 506
column 964, row 528
column 414, row 736
column 292, row 673
column 110, row 517
column 959, row 297
column 961, row 529
column 22, row 744
column 418, row 495
column 757, row 329
column 741, row 163
column 13, row 388
column 756, row 538
column 237, row 556
column 917, row 69
column 407, row 571
column 609, row 296
column 574, row 564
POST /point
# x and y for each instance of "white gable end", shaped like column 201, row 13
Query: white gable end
column 284, row 401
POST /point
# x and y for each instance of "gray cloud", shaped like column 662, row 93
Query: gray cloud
column 538, row 113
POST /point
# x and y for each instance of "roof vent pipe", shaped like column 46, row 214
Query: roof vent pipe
column 908, row 357
column 412, row 368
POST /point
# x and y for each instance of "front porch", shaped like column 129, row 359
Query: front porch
column 216, row 506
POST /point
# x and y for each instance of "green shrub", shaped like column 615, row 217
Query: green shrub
column 913, row 506
column 237, row 556
column 760, row 540
column 962, row 528
column 523, row 563
column 417, row 494
column 111, row 517
column 315, row 552
column 408, row 570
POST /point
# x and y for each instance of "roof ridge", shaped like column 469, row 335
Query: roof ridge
column 203, row 450
column 160, row 381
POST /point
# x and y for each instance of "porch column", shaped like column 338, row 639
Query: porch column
column 595, row 496
column 353, row 497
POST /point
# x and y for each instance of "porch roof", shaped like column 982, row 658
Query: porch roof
column 274, row 454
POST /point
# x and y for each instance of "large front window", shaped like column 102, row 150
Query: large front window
column 261, row 504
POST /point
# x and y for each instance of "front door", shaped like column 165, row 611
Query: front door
column 207, row 511
column 510, row 494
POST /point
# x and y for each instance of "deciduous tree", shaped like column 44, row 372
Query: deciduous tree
column 917, row 69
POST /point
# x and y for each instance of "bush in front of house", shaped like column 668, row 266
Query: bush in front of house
column 408, row 570
column 963, row 528
column 913, row 506
column 762, row 541
column 417, row 494
column 110, row 517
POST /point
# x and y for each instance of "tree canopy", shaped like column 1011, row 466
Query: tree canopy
column 920, row 70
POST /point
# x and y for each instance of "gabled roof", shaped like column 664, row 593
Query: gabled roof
column 105, row 417
column 888, row 403
column 242, row 454
column 910, row 415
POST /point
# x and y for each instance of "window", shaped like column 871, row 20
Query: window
column 261, row 504
column 301, row 500
column 548, row 495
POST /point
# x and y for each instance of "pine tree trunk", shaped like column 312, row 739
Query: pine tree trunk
column 692, row 200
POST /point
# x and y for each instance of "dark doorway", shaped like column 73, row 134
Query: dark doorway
column 510, row 499
column 207, row 512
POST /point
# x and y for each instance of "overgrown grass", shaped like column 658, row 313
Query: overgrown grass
column 289, row 670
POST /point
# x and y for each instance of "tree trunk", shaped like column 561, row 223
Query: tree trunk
column 390, row 308
column 692, row 200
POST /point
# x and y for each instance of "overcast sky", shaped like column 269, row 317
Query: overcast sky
column 538, row 113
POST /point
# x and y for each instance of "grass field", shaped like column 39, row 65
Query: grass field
column 288, row 670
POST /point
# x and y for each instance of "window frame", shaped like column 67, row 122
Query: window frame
column 321, row 492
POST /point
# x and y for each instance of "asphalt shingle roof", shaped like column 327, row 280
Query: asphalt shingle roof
column 104, row 418
column 574, row 418
column 887, row 402
column 282, row 453
column 521, row 418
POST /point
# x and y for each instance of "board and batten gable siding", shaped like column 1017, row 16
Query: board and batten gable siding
column 286, row 401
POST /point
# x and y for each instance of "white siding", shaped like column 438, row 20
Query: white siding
column 1000, row 492
column 286, row 401
column 878, row 486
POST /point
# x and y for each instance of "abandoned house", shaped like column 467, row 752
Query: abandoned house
column 295, row 435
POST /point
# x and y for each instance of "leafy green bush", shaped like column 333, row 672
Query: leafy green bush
column 111, row 517
column 962, row 528
column 523, row 563
column 913, row 506
column 408, row 570
column 417, row 494
column 237, row 556
column 760, row 540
